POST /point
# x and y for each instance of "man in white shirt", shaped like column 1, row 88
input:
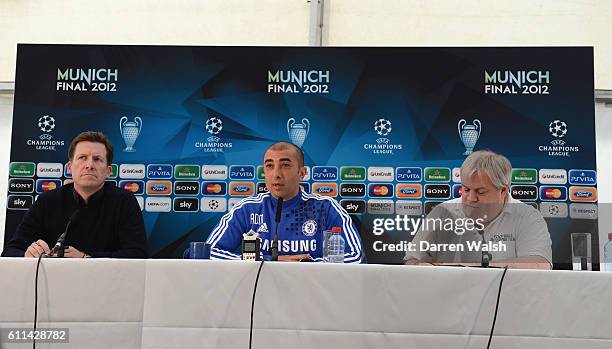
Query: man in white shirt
column 485, row 221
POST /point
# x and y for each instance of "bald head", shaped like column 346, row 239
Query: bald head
column 280, row 146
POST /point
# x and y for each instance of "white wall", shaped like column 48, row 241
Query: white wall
column 6, row 121
column 285, row 22
column 603, row 126
column 476, row 23
column 178, row 22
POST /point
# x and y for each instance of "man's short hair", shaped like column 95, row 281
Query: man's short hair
column 496, row 166
column 95, row 137
column 279, row 146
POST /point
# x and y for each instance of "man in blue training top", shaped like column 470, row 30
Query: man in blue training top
column 303, row 220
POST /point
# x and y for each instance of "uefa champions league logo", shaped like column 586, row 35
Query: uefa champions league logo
column 130, row 130
column 383, row 145
column 558, row 147
column 469, row 134
column 214, row 126
column 557, row 128
column 45, row 141
column 298, row 131
column 46, row 123
column 383, row 128
column 213, row 143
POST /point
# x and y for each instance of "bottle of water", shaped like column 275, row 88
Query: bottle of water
column 608, row 254
column 335, row 247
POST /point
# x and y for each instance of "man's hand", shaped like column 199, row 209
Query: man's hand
column 414, row 261
column 72, row 252
column 293, row 258
column 37, row 248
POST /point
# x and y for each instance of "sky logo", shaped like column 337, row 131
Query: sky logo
column 242, row 172
column 324, row 173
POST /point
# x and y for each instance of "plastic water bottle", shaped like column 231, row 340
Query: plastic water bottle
column 608, row 254
column 335, row 247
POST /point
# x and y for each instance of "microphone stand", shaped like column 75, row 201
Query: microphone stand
column 486, row 256
column 274, row 247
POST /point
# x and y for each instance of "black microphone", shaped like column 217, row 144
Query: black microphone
column 486, row 256
column 60, row 240
column 274, row 247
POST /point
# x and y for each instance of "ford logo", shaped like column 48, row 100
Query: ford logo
column 325, row 190
column 242, row 188
column 583, row 194
column 408, row 191
column 159, row 187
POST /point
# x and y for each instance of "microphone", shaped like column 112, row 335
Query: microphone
column 486, row 256
column 274, row 247
column 60, row 240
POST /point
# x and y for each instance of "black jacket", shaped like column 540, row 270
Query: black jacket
column 109, row 225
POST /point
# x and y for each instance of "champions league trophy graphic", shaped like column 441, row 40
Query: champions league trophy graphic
column 469, row 134
column 298, row 132
column 130, row 130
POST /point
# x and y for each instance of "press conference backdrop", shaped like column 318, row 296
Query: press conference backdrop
column 384, row 130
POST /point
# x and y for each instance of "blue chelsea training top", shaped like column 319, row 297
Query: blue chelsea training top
column 303, row 220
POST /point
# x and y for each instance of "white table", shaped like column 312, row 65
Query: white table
column 206, row 304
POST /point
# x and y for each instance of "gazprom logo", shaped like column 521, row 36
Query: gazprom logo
column 157, row 171
column 242, row 172
column 324, row 173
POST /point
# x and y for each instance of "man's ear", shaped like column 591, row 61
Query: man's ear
column 302, row 172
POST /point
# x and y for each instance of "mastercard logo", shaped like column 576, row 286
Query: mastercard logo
column 214, row 188
column 48, row 186
column 380, row 190
column 132, row 187
column 553, row 193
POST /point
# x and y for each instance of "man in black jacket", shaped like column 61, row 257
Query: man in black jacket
column 106, row 221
